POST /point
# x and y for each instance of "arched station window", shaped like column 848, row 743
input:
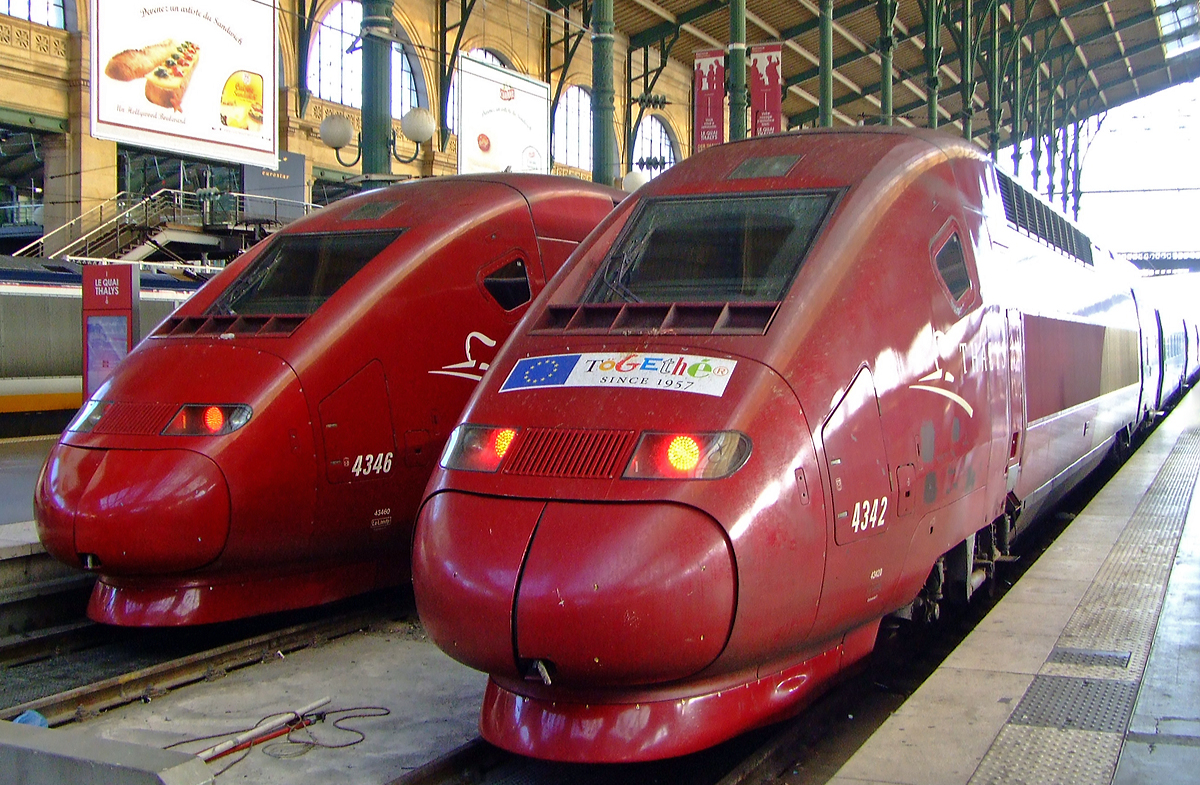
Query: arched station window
column 653, row 142
column 43, row 12
column 573, row 128
column 335, row 75
column 487, row 56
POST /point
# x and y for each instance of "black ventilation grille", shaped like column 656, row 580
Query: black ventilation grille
column 1031, row 214
column 660, row 318
column 240, row 326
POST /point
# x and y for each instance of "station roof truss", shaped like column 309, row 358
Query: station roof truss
column 1030, row 64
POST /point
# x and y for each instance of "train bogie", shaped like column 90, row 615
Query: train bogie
column 266, row 447
column 795, row 385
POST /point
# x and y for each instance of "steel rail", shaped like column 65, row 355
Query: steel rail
column 468, row 763
column 85, row 702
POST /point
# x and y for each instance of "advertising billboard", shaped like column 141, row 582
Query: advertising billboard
column 503, row 120
column 193, row 78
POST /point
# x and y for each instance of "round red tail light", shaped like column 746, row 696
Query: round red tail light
column 688, row 456
column 503, row 441
column 214, row 419
column 477, row 448
column 683, row 453
column 203, row 419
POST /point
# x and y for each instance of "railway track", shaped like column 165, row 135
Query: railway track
column 83, row 702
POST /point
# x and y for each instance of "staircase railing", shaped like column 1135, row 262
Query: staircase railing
column 77, row 227
column 129, row 227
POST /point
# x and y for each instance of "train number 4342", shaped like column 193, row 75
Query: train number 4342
column 869, row 514
column 366, row 465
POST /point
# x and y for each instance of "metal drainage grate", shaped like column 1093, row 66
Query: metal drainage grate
column 1065, row 702
column 1094, row 657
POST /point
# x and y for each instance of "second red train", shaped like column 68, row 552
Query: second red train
column 793, row 385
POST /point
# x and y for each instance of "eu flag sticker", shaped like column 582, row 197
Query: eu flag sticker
column 549, row 371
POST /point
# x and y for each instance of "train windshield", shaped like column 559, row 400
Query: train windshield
column 299, row 272
column 712, row 249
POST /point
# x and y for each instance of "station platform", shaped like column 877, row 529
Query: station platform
column 21, row 461
column 1088, row 670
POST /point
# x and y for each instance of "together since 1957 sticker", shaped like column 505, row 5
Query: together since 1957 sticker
column 676, row 372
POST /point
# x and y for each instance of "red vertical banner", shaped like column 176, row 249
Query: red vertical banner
column 766, row 89
column 709, row 83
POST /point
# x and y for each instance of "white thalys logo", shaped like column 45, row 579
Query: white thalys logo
column 939, row 375
column 470, row 368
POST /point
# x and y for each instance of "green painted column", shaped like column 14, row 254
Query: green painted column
column 737, row 70
column 1018, row 109
column 966, row 64
column 994, row 84
column 376, row 88
column 1078, row 171
column 826, row 57
column 602, row 92
column 1066, row 164
column 1035, row 137
column 886, row 10
column 1051, row 150
column 933, row 59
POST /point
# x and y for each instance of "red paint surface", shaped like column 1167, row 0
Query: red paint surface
column 658, row 580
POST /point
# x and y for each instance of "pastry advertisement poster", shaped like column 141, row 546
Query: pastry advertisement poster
column 195, row 78
column 503, row 120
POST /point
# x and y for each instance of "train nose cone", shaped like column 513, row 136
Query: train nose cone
column 604, row 594
column 625, row 594
column 467, row 554
column 133, row 511
column 56, row 497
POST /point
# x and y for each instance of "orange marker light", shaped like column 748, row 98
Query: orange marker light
column 503, row 440
column 214, row 419
column 683, row 453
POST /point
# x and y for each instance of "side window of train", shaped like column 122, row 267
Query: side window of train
column 509, row 285
column 951, row 263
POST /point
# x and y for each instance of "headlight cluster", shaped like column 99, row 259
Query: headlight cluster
column 657, row 456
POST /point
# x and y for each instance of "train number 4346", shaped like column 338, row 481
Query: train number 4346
column 869, row 514
column 366, row 465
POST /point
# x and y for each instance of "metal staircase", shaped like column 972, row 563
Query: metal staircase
column 131, row 229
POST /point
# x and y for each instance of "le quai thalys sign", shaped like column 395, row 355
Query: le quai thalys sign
column 197, row 78
column 110, row 319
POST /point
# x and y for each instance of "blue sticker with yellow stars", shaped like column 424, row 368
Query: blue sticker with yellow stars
column 549, row 371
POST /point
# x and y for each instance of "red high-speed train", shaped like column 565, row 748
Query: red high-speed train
column 794, row 385
column 266, row 447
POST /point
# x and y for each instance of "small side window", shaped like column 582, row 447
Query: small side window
column 952, row 266
column 509, row 285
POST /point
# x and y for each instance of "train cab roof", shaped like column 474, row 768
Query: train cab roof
column 814, row 159
column 544, row 194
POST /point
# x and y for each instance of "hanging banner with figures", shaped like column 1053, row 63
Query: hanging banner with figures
column 766, row 94
column 192, row 78
column 709, row 84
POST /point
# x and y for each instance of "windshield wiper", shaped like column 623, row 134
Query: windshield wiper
column 614, row 276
